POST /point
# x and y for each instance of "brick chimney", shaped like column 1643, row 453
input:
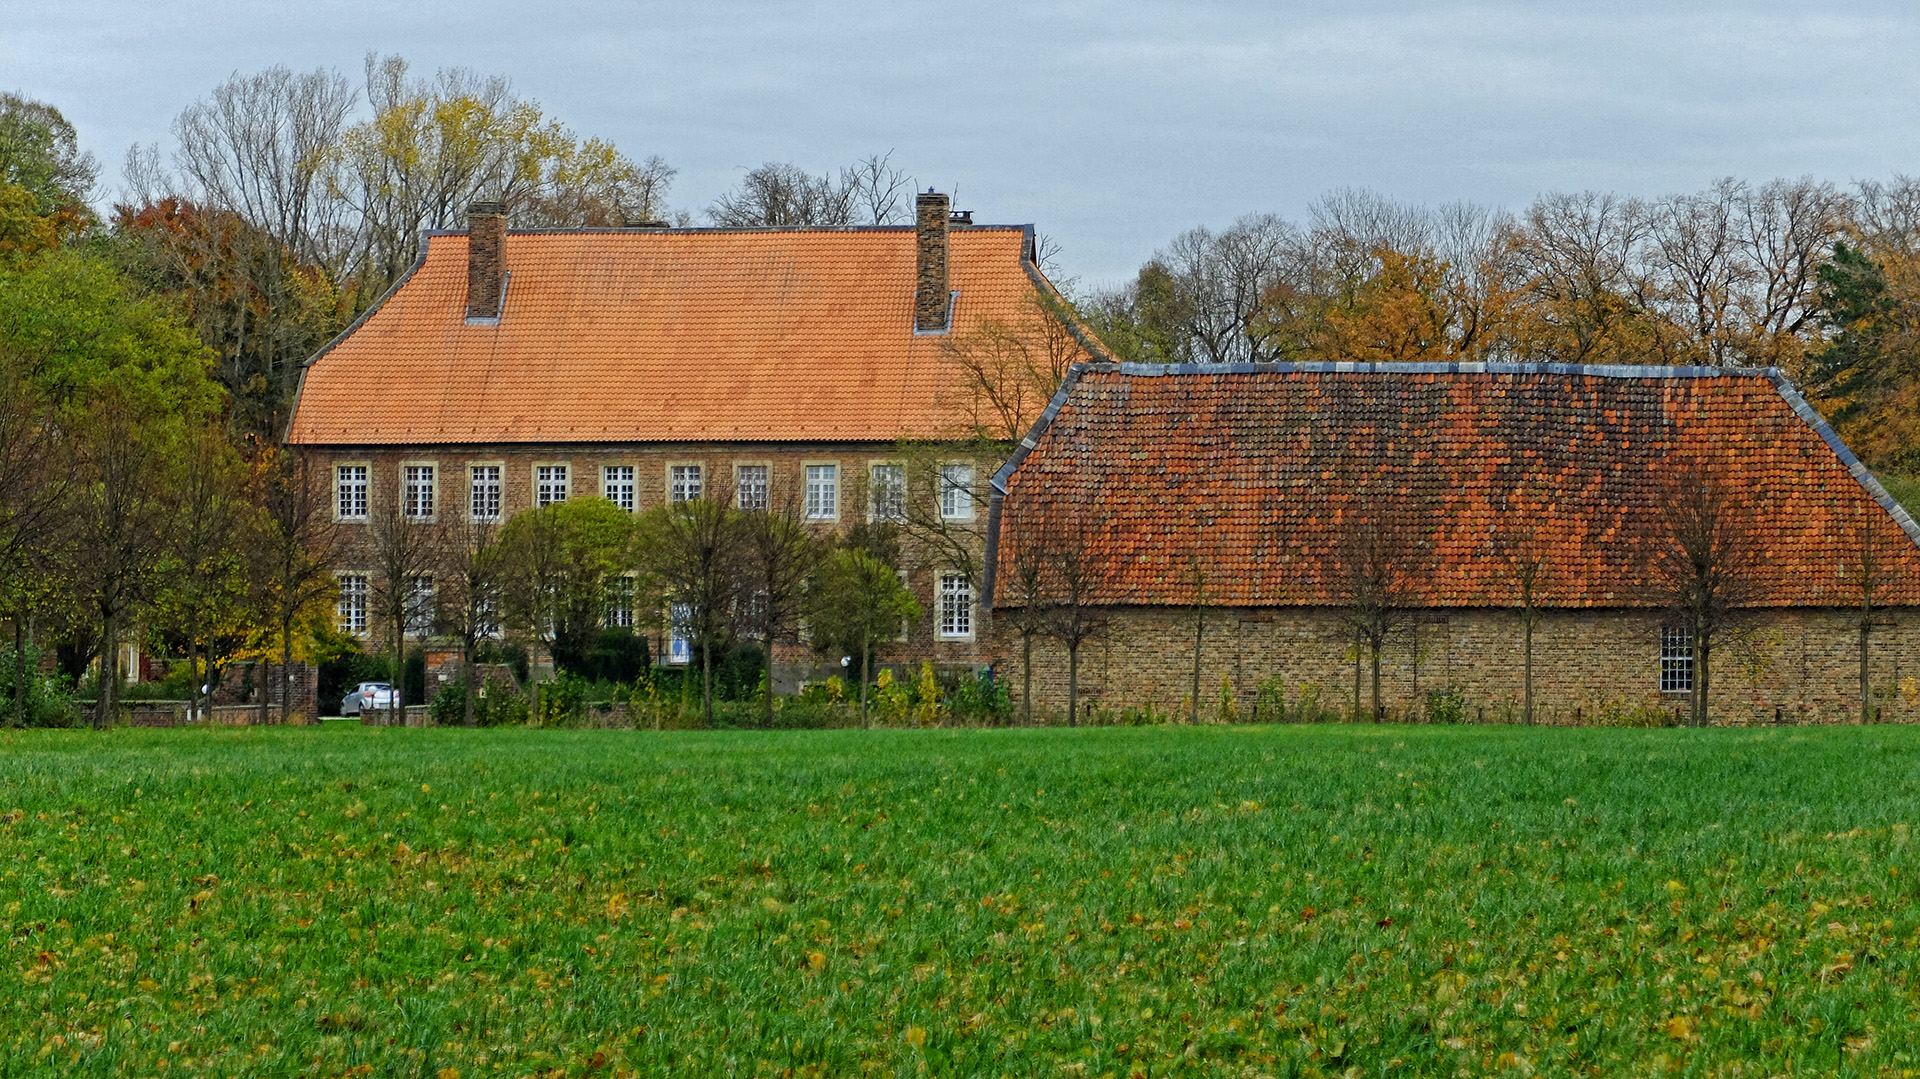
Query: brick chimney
column 486, row 263
column 930, row 291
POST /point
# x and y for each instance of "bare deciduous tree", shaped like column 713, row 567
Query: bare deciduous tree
column 1073, row 537
column 1703, row 571
column 406, row 550
column 693, row 549
column 1869, row 577
column 777, row 554
column 1376, row 568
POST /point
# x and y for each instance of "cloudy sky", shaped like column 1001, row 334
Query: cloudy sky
column 1112, row 126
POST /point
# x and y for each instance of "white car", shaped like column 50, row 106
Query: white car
column 371, row 696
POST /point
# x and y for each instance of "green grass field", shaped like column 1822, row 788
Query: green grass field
column 1144, row 901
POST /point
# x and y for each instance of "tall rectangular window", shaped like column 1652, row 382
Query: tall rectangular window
column 956, row 492
column 751, row 481
column 418, row 491
column 620, row 602
column 350, row 488
column 680, row 634
column 616, row 485
column 549, row 484
column 486, row 615
column 419, row 611
column 956, row 606
column 352, row 607
column 887, row 491
column 483, row 492
column 683, row 483
column 823, row 492
column 1676, row 659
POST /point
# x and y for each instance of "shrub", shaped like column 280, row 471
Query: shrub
column 1446, row 706
column 1270, row 700
column 980, row 699
column 562, row 701
column 1227, row 711
column 927, row 710
column 1308, row 707
column 48, row 702
column 449, row 706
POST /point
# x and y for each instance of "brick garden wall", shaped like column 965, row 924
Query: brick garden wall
column 1803, row 662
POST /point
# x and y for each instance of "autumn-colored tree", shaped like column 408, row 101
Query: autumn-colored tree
column 1703, row 571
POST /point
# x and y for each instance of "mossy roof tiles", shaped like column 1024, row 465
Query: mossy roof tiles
column 1258, row 475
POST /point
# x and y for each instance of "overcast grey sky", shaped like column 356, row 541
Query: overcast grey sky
column 1112, row 126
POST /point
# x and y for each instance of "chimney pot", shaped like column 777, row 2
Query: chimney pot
column 930, row 289
column 486, row 259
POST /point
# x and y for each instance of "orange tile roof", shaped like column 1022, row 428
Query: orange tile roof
column 662, row 335
column 1262, row 470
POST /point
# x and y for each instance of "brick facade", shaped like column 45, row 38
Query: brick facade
column 652, row 464
column 1796, row 665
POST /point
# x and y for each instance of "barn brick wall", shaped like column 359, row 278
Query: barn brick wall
column 1589, row 666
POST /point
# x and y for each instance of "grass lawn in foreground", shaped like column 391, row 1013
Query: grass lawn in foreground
column 1136, row 901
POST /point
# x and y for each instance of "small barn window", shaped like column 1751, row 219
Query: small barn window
column 1676, row 659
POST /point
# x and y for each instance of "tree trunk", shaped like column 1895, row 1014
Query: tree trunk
column 706, row 682
column 1528, row 676
column 1073, row 685
column 19, row 670
column 1374, row 654
column 286, row 668
column 766, row 704
column 471, row 676
column 865, row 651
column 1026, row 680
column 1866, row 630
column 109, row 672
column 1699, row 680
column 1199, row 637
column 1355, row 713
column 396, row 705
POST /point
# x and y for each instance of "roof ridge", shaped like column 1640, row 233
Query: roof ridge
column 686, row 230
column 1488, row 367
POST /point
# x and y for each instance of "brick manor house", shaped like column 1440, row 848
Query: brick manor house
column 1244, row 492
column 514, row 368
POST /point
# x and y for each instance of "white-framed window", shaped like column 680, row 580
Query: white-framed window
column 483, row 492
column 887, row 493
column 956, row 492
column 350, row 492
column 620, row 602
column 1676, row 659
column 750, row 481
column 419, row 613
column 683, row 483
column 616, row 486
column 680, row 634
column 823, row 492
column 956, row 606
column 550, row 483
column 417, row 491
column 352, row 606
column 486, row 615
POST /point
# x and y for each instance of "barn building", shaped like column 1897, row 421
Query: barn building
column 1259, row 512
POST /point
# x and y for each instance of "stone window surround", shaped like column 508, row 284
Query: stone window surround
column 500, row 489
column 969, row 613
column 366, row 468
column 875, row 463
column 667, row 471
column 533, row 472
column 633, row 480
column 739, row 489
column 433, row 490
column 806, row 488
column 968, row 511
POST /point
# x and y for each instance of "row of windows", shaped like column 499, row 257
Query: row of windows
column 886, row 489
column 955, row 611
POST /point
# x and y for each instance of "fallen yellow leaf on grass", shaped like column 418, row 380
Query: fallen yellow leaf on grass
column 916, row 1036
column 1680, row 1027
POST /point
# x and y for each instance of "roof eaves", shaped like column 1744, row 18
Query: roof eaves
column 699, row 230
column 1325, row 367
